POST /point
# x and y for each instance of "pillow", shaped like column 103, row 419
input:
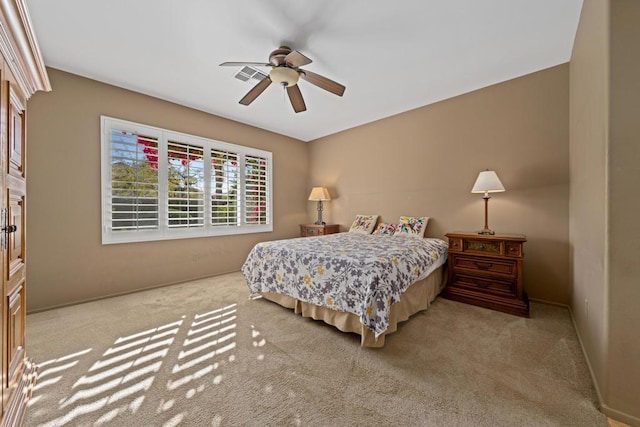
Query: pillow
column 363, row 224
column 385, row 229
column 411, row 226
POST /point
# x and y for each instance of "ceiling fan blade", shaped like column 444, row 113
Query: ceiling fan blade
column 295, row 96
column 240, row 64
column 255, row 91
column 323, row 82
column 296, row 59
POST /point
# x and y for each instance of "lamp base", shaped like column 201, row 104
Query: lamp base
column 487, row 231
column 320, row 221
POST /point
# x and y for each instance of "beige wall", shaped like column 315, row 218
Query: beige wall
column 425, row 161
column 66, row 261
column 588, row 166
column 604, row 232
column 624, row 205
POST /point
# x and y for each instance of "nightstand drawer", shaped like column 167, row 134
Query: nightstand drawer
column 499, row 266
column 455, row 244
column 483, row 246
column 514, row 249
column 309, row 230
column 495, row 286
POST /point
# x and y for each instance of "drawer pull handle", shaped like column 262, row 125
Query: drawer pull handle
column 483, row 265
column 482, row 284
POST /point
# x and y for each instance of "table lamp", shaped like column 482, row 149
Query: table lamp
column 487, row 182
column 319, row 194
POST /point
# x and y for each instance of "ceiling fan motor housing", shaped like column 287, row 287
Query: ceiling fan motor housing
column 277, row 56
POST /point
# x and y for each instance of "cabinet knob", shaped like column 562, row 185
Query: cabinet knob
column 10, row 228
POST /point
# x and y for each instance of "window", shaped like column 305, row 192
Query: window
column 159, row 184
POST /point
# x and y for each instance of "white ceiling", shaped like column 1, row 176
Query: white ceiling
column 392, row 56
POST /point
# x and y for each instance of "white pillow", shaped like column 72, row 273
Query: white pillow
column 411, row 226
column 363, row 224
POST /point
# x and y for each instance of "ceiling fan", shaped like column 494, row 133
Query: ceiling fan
column 285, row 70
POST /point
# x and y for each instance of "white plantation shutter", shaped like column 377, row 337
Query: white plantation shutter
column 185, row 185
column 224, row 188
column 133, row 189
column 159, row 184
column 256, row 190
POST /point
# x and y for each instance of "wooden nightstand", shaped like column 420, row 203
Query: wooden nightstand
column 307, row 230
column 486, row 270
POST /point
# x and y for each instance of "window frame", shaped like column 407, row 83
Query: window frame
column 164, row 232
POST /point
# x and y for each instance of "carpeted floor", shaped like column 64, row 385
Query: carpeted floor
column 204, row 354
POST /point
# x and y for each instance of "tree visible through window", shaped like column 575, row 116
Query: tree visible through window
column 224, row 194
column 134, row 181
column 161, row 184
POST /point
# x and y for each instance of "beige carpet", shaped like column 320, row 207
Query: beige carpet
column 204, row 354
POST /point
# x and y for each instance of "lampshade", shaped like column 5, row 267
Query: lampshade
column 319, row 194
column 487, row 182
column 284, row 76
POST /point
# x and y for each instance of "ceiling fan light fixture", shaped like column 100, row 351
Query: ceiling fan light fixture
column 284, row 76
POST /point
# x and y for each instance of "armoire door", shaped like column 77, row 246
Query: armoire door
column 13, row 226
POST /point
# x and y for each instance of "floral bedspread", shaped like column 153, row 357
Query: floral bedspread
column 355, row 273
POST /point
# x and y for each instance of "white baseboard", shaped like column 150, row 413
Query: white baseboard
column 620, row 416
column 544, row 301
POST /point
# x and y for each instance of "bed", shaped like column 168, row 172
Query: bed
column 358, row 283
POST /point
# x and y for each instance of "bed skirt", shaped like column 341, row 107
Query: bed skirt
column 417, row 297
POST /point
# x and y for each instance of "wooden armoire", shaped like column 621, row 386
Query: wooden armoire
column 22, row 73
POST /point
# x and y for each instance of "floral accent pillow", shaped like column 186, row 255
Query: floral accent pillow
column 412, row 226
column 363, row 224
column 385, row 229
